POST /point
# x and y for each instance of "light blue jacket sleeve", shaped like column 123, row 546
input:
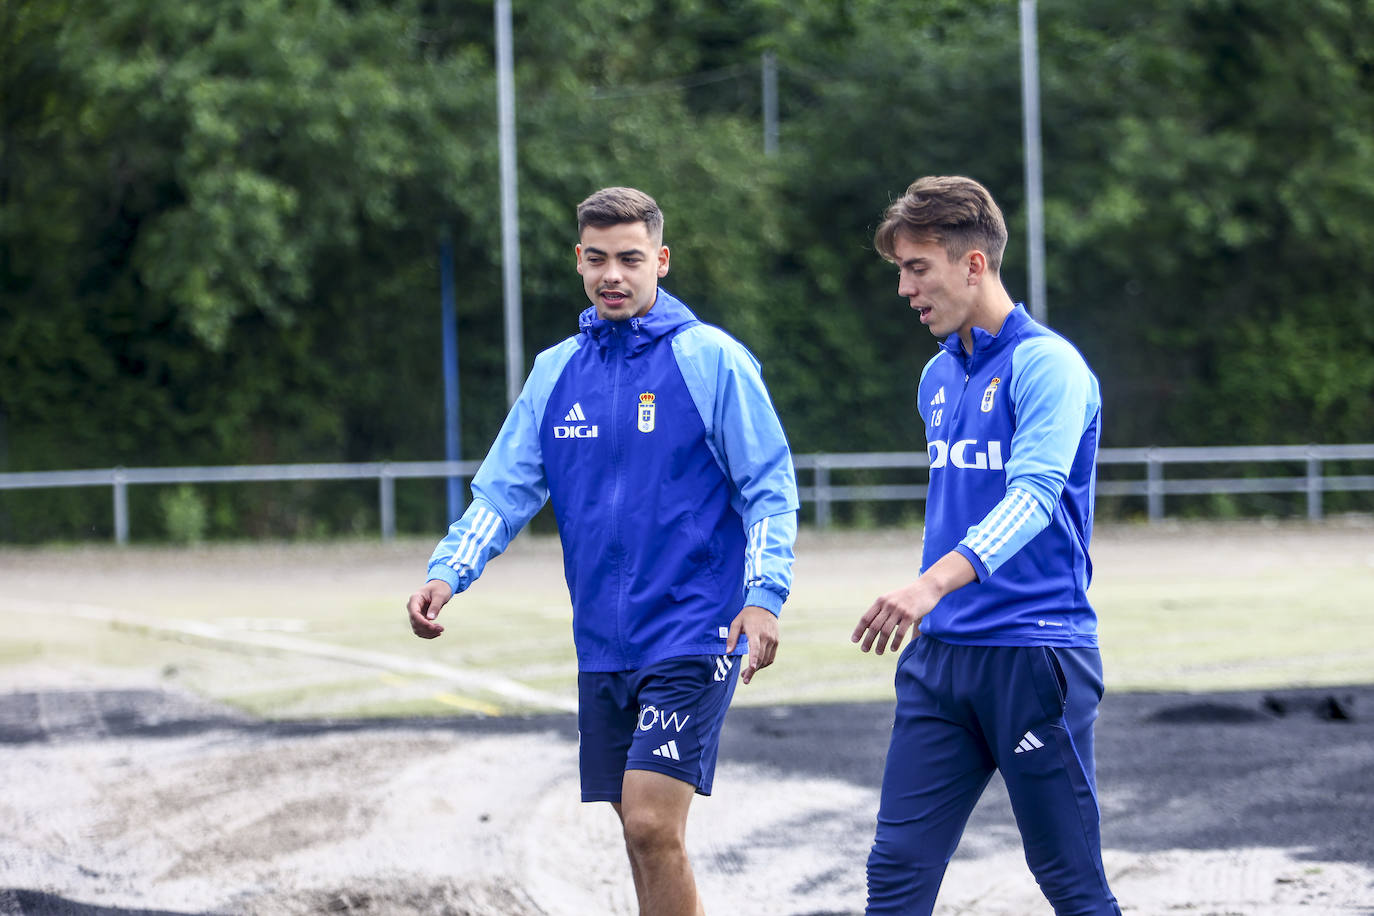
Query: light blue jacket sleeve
column 1055, row 398
column 510, row 487
column 747, row 441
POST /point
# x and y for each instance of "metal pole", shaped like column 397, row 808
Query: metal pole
column 822, row 493
column 121, row 506
column 510, row 223
column 770, row 103
column 1154, row 486
column 1314, row 487
column 386, row 496
column 1035, row 194
column 453, row 444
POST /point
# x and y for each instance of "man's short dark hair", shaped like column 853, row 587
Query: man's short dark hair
column 957, row 213
column 614, row 206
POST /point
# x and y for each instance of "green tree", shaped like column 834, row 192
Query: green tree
column 1206, row 214
column 219, row 218
column 219, row 222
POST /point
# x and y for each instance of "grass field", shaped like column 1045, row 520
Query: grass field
column 287, row 630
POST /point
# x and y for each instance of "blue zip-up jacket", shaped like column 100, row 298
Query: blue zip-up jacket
column 671, row 481
column 1012, row 431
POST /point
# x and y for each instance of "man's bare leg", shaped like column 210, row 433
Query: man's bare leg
column 653, row 811
column 634, row 868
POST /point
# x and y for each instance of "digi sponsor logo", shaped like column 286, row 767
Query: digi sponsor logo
column 580, row 428
column 649, row 716
column 966, row 454
column 576, row 432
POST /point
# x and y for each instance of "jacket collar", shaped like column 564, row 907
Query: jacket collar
column 665, row 316
column 988, row 342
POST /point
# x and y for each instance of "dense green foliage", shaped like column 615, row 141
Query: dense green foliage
column 219, row 218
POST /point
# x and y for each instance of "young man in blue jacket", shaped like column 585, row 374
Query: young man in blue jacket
column 1002, row 671
column 675, row 497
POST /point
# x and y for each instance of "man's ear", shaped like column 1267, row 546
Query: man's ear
column 663, row 260
column 977, row 267
column 577, row 252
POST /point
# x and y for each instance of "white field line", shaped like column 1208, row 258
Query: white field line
column 293, row 645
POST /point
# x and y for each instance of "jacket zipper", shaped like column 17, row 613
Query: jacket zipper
column 617, row 460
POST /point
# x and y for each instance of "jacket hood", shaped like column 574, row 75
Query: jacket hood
column 665, row 316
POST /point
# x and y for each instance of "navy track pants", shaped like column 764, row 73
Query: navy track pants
column 963, row 711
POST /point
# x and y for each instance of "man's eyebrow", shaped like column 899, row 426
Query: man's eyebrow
column 629, row 251
column 912, row 262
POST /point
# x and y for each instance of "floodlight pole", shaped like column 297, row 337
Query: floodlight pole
column 510, row 221
column 1035, row 192
column 770, row 103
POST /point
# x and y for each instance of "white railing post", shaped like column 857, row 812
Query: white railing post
column 1314, row 485
column 120, row 480
column 1154, row 485
column 386, row 486
column 822, row 475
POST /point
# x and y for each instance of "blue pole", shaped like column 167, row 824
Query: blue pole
column 453, row 447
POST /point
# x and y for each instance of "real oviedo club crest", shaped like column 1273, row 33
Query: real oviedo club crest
column 646, row 412
column 989, row 393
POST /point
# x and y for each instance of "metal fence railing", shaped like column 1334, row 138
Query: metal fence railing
column 1154, row 485
column 815, row 472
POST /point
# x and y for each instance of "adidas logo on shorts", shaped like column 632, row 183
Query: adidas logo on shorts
column 668, row 750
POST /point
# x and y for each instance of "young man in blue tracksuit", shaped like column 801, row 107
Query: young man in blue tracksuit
column 673, row 488
column 1002, row 672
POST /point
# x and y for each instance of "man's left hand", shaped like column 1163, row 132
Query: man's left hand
column 761, row 628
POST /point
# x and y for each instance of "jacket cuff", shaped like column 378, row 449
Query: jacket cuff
column 766, row 598
column 979, row 567
column 445, row 573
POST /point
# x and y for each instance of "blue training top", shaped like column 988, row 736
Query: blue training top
column 1012, row 432
column 671, row 481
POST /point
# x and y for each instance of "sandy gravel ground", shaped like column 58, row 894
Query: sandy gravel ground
column 121, row 796
column 135, row 801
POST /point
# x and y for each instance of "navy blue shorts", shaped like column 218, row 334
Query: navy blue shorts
column 666, row 718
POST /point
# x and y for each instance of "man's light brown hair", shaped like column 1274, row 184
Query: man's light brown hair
column 954, row 212
column 614, row 206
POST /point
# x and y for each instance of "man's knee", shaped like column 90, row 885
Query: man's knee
column 652, row 830
column 903, row 874
column 1074, row 885
column 1084, row 894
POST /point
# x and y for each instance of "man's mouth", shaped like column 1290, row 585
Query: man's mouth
column 613, row 296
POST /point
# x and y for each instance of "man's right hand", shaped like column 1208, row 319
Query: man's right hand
column 892, row 614
column 424, row 606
